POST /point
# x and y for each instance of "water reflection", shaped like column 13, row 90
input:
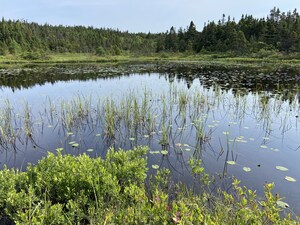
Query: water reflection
column 234, row 127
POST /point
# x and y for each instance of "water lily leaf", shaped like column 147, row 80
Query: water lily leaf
column 131, row 139
column 188, row 149
column 282, row 204
column 75, row 145
column 282, row 168
column 164, row 152
column 98, row 135
column 247, row 169
column 231, row 162
column 178, row 144
column 154, row 152
column 59, row 149
column 155, row 166
column 69, row 133
column 72, row 142
column 50, row 126
column 186, row 145
column 90, row 150
column 290, row 179
column 226, row 132
column 146, row 136
column 264, row 146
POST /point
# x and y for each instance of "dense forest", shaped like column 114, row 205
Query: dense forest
column 279, row 31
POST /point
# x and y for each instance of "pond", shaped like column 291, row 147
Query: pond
column 238, row 121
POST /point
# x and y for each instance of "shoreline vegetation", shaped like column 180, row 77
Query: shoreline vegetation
column 271, row 39
column 65, row 189
column 205, row 59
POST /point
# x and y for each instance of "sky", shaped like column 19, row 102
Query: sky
column 137, row 15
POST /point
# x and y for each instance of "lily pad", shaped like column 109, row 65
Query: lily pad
column 72, row 142
column 282, row 204
column 247, row 169
column 90, row 150
column 264, row 146
column 164, row 152
column 98, row 135
column 231, row 162
column 131, row 139
column 154, row 152
column 290, row 179
column 69, row 133
column 282, row 168
column 75, row 145
column 155, row 166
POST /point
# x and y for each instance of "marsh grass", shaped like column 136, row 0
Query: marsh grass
column 169, row 115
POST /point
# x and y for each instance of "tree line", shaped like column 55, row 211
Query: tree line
column 279, row 31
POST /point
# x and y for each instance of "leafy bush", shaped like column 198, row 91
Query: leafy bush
column 64, row 189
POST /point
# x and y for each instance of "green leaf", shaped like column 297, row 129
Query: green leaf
column 154, row 152
column 282, row 168
column 290, row 179
column 131, row 139
column 75, row 145
column 90, row 150
column 72, row 142
column 155, row 166
column 164, row 152
column 231, row 162
column 247, row 169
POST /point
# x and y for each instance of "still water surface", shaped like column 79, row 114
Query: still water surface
column 242, row 131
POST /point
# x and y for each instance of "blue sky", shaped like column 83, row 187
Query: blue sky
column 137, row 15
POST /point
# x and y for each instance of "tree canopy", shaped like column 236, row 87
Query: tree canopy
column 279, row 31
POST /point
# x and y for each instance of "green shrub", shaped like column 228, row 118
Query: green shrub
column 64, row 189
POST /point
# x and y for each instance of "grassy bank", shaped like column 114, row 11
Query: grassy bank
column 64, row 189
column 229, row 59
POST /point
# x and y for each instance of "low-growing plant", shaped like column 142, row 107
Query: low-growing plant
column 65, row 189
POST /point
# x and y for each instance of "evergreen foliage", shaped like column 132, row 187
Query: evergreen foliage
column 278, row 32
